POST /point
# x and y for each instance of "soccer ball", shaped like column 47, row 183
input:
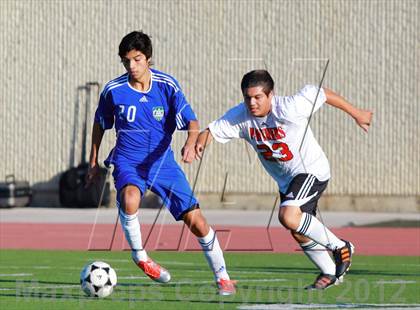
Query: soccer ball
column 98, row 279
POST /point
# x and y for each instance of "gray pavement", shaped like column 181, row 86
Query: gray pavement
column 214, row 216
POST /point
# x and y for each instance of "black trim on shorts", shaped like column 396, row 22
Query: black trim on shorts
column 193, row 207
column 304, row 185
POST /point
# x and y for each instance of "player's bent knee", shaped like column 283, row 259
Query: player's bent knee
column 130, row 200
column 289, row 217
column 285, row 222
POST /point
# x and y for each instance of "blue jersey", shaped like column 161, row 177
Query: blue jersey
column 144, row 121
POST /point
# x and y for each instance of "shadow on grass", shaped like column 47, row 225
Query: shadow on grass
column 38, row 282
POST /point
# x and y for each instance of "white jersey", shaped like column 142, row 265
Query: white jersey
column 278, row 136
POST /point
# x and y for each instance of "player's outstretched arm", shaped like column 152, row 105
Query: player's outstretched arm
column 97, row 134
column 362, row 117
column 188, row 151
column 203, row 140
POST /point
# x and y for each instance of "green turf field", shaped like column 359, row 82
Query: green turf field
column 50, row 280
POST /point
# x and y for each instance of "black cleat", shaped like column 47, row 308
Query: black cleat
column 342, row 259
column 322, row 282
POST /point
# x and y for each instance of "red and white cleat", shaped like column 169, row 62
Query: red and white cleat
column 226, row 287
column 154, row 271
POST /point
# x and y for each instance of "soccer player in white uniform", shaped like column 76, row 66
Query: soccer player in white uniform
column 146, row 106
column 277, row 128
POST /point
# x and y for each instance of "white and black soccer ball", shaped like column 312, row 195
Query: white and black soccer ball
column 98, row 279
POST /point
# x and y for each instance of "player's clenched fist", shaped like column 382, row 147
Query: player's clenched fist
column 363, row 118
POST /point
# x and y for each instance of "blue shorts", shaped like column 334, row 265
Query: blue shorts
column 166, row 181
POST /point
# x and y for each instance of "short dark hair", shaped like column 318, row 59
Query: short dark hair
column 258, row 78
column 136, row 40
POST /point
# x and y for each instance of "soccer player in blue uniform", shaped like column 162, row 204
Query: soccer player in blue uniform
column 146, row 106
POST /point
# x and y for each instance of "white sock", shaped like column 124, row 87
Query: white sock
column 214, row 255
column 319, row 255
column 310, row 227
column 131, row 226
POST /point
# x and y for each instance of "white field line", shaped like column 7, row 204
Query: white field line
column 240, row 281
column 49, row 267
column 143, row 278
column 328, row 306
column 129, row 261
column 24, row 267
column 181, row 263
column 194, row 264
column 408, row 265
column 26, row 288
column 170, row 263
column 132, row 278
column 210, row 282
column 124, row 269
column 15, row 274
column 396, row 282
column 238, row 272
column 115, row 260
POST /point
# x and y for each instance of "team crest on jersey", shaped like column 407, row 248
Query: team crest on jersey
column 158, row 113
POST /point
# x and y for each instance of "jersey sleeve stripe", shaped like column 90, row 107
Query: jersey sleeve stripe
column 115, row 82
column 106, row 91
column 180, row 123
column 119, row 79
column 166, row 77
column 181, row 120
column 165, row 80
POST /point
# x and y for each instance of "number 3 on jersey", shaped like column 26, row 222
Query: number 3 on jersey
column 280, row 151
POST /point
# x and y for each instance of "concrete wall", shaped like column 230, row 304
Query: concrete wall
column 49, row 48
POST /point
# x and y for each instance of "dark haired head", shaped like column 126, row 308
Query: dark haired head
column 258, row 78
column 136, row 40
